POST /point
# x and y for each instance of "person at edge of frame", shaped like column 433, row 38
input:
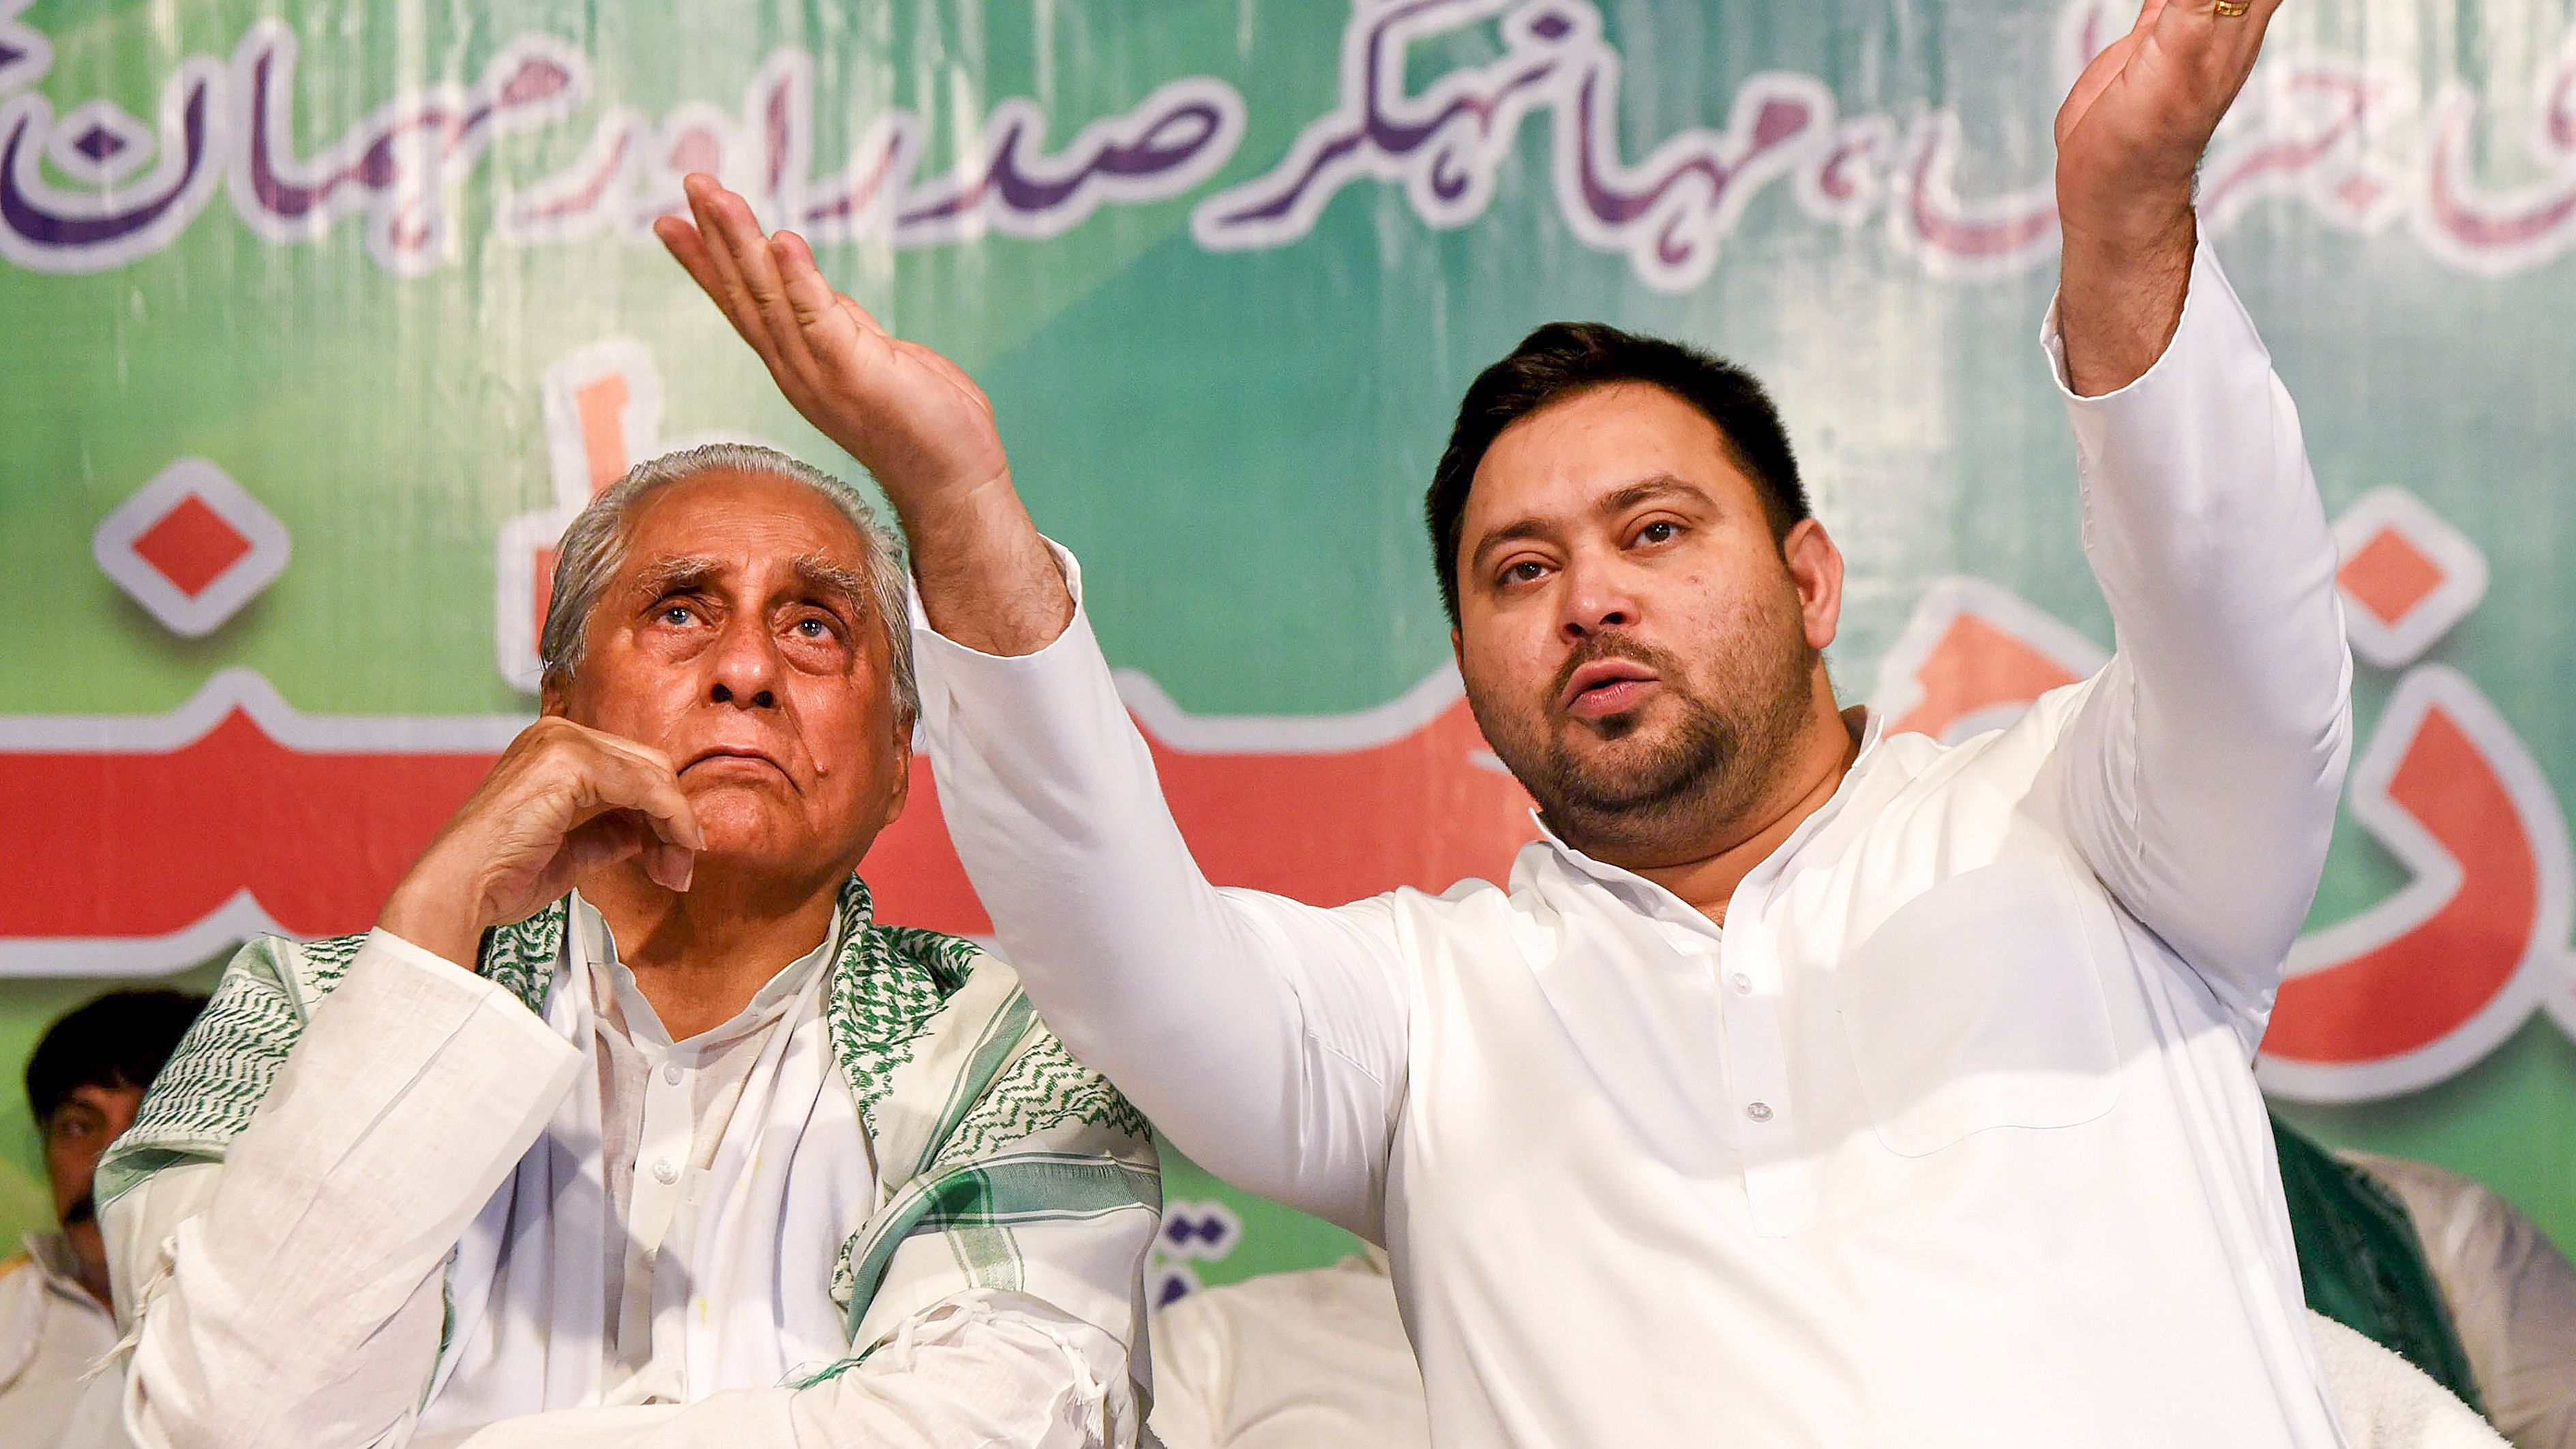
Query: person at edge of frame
column 84, row 1081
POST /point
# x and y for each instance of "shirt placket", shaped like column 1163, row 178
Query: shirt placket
column 664, row 1146
column 1779, row 1179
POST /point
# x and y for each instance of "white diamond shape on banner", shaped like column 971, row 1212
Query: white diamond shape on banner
column 191, row 547
column 2405, row 574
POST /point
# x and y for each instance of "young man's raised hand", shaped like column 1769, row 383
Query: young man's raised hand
column 913, row 419
column 2129, row 138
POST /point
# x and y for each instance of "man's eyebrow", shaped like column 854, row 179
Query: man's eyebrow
column 687, row 574
column 1508, row 533
column 816, row 574
column 1644, row 490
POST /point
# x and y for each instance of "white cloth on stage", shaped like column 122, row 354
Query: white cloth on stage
column 1308, row 1360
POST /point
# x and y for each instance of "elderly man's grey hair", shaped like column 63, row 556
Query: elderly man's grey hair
column 595, row 544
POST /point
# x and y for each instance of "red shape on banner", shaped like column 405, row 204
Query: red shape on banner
column 137, row 845
column 191, row 545
column 2419, row 987
column 602, row 406
column 1977, row 666
column 2389, row 576
column 132, row 845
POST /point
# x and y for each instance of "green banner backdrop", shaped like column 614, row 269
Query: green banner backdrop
column 316, row 320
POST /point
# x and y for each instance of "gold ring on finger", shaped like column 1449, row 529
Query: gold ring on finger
column 2231, row 9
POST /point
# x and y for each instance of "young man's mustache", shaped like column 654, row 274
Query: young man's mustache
column 84, row 1209
column 1612, row 645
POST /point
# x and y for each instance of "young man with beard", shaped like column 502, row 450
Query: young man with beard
column 1807, row 1086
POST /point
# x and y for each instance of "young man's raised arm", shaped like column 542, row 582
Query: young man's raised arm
column 2201, row 773
column 1265, row 1037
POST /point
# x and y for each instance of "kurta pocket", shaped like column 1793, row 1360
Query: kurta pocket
column 1979, row 1005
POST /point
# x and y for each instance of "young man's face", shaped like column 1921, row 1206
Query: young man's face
column 76, row 1135
column 1634, row 641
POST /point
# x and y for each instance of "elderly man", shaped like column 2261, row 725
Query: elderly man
column 628, row 1124
column 1809, row 1085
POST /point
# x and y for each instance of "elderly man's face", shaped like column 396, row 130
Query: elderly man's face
column 737, row 638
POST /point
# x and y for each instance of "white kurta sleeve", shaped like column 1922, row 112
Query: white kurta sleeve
column 291, row 1295
column 981, row 1368
column 1265, row 1037
column 2201, row 773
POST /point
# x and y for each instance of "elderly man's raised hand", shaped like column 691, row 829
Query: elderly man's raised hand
column 914, row 419
column 2129, row 138
column 563, row 800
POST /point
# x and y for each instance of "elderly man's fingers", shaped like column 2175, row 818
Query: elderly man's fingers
column 829, row 329
column 679, row 236
column 746, row 247
column 669, row 866
column 722, row 250
column 611, row 780
column 612, row 837
column 792, row 244
column 689, row 248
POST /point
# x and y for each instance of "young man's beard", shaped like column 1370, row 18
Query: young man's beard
column 1660, row 803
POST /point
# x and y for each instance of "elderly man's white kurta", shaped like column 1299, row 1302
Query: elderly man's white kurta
column 267, row 1301
column 1949, row 1137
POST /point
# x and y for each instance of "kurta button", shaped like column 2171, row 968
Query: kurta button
column 1742, row 983
column 671, row 1073
column 665, row 1174
column 1759, row 1111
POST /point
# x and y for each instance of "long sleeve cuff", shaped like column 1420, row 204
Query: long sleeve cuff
column 955, row 655
column 414, row 1089
column 301, row 1304
column 1008, row 730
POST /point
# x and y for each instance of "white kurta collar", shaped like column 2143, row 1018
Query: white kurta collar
column 1867, row 724
column 592, row 949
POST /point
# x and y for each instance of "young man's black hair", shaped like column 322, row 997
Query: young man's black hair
column 1564, row 358
column 118, row 1040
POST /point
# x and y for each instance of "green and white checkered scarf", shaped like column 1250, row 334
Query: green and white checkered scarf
column 1001, row 1162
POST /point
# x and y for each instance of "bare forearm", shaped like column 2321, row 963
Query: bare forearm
column 987, row 579
column 2128, row 138
column 2120, row 297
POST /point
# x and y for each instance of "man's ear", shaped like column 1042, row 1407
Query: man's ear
column 902, row 791
column 1457, row 649
column 1816, row 568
